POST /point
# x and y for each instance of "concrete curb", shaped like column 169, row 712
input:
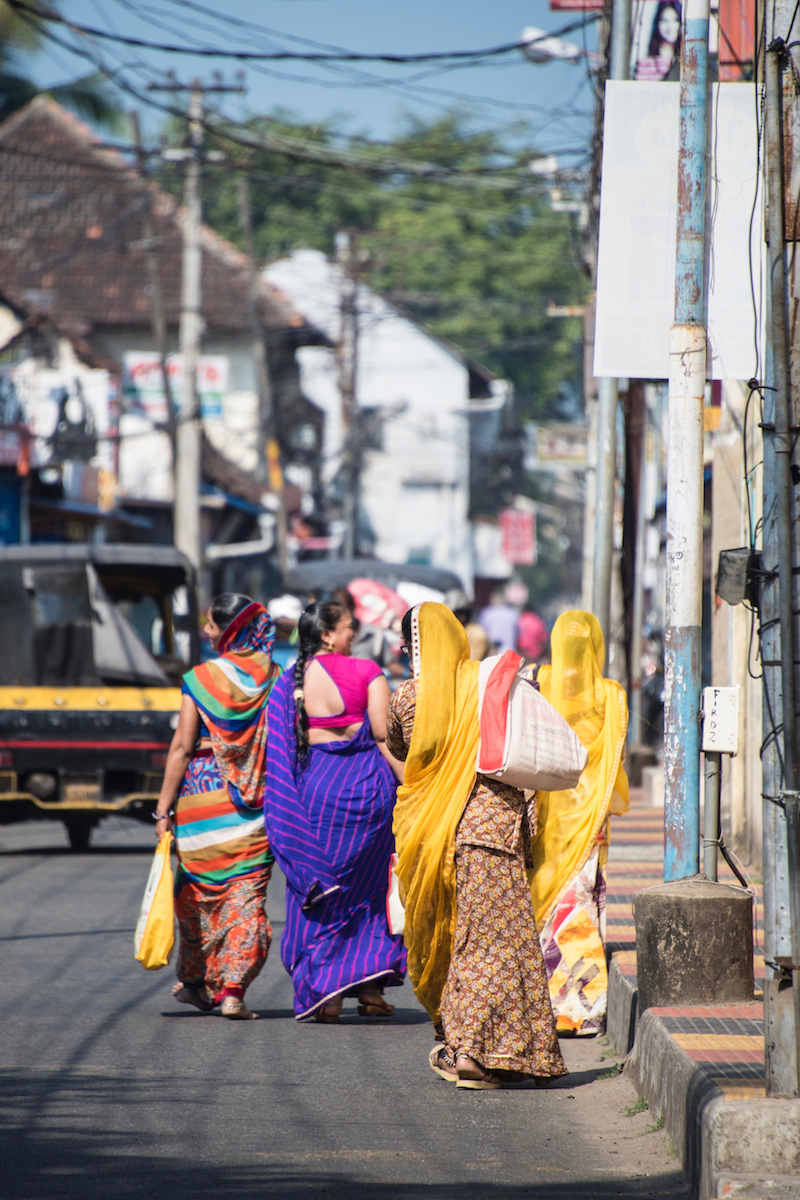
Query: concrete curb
column 622, row 1004
column 727, row 1148
column 677, row 1091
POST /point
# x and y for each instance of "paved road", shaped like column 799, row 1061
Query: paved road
column 110, row 1089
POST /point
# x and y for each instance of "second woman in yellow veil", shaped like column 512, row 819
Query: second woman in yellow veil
column 474, row 956
column 571, row 846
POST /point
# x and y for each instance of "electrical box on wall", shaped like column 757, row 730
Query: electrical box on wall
column 720, row 715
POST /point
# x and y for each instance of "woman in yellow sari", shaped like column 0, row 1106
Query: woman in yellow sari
column 571, row 846
column 474, row 956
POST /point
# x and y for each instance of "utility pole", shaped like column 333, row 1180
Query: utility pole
column 608, row 391
column 156, row 293
column 347, row 358
column 187, row 441
column 778, row 606
column 187, row 437
column 687, row 385
column 267, row 431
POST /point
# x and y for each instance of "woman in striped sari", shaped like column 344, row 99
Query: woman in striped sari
column 329, row 799
column 214, row 778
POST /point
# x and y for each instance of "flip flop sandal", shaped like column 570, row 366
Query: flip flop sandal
column 473, row 1076
column 236, row 1010
column 442, row 1062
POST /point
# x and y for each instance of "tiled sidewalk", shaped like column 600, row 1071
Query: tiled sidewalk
column 726, row 1042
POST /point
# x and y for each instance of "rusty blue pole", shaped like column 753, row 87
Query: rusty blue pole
column 684, row 563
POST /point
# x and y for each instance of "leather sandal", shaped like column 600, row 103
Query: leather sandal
column 472, row 1075
column 372, row 1004
column 329, row 1013
column 442, row 1062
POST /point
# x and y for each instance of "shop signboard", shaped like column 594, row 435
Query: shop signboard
column 143, row 383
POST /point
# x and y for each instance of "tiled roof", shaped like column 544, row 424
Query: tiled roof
column 71, row 233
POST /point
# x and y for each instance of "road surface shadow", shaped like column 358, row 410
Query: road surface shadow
column 69, row 1135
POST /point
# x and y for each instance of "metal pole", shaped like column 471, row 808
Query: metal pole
column 608, row 392
column 156, row 294
column 266, row 431
column 713, row 773
column 620, row 59
column 607, row 403
column 778, row 642
column 187, row 461
column 347, row 352
column 637, row 622
column 684, row 558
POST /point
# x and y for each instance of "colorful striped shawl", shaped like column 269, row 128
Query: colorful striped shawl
column 217, row 839
column 231, row 693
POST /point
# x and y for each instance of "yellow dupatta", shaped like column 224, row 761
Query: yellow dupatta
column 439, row 776
column 596, row 709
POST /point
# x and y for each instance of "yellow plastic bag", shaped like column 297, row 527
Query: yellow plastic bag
column 155, row 929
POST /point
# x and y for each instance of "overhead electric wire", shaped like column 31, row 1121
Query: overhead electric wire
column 41, row 15
column 304, row 150
column 355, row 78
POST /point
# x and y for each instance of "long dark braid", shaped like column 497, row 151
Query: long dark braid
column 319, row 618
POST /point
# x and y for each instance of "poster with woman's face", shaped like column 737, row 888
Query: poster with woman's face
column 656, row 40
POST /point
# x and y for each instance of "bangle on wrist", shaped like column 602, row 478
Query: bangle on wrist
column 161, row 816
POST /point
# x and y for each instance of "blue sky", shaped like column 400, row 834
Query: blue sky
column 553, row 100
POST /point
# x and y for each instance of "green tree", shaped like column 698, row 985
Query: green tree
column 22, row 34
column 450, row 225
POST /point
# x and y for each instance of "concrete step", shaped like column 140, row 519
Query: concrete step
column 751, row 1187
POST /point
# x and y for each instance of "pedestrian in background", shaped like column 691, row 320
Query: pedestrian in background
column 214, row 781
column 570, row 848
column 532, row 636
column 462, row 840
column 461, row 606
column 501, row 622
column 328, row 811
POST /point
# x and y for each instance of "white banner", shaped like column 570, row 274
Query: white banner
column 638, row 221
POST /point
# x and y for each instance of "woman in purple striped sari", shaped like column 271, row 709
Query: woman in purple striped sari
column 328, row 809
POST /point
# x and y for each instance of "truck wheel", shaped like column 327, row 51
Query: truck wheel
column 79, row 832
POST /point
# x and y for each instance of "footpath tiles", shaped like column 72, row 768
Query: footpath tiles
column 726, row 1042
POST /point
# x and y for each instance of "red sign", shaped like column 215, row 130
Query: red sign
column 519, row 536
column 580, row 5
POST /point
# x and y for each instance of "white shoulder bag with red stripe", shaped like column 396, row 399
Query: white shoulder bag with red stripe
column 524, row 742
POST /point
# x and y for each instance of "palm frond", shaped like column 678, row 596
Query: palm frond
column 91, row 97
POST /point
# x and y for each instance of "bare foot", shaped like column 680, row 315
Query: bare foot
column 188, row 995
column 236, row 1010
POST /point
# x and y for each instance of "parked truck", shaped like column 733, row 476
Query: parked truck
column 93, row 642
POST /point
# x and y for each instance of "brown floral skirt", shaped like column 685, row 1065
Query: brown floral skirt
column 496, row 1005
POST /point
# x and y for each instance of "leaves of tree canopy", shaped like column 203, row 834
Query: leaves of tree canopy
column 21, row 33
column 474, row 251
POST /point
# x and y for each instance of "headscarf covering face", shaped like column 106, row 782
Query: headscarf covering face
column 439, row 776
column 231, row 693
column 596, row 709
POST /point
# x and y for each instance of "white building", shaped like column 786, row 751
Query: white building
column 416, row 399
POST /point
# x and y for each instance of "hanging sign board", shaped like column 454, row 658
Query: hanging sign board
column 638, row 223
